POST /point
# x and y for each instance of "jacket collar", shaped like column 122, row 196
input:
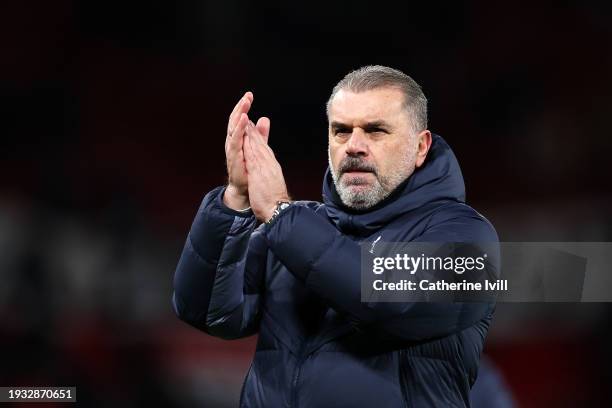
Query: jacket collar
column 439, row 179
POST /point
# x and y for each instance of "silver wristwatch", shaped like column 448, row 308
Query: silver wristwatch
column 280, row 206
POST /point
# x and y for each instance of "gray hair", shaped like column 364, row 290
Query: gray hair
column 378, row 76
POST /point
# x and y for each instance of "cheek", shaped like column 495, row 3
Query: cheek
column 333, row 158
column 392, row 157
column 384, row 155
column 335, row 152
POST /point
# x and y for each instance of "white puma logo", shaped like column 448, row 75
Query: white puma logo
column 374, row 243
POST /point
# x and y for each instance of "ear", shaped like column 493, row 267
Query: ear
column 424, row 143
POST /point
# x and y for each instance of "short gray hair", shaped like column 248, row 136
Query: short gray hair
column 378, row 76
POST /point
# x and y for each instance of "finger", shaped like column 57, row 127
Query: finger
column 263, row 126
column 257, row 136
column 236, row 138
column 256, row 139
column 260, row 147
column 253, row 136
column 232, row 115
column 251, row 162
column 248, row 96
column 243, row 106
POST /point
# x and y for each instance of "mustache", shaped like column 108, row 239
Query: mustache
column 355, row 164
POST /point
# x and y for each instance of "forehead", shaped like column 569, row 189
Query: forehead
column 375, row 104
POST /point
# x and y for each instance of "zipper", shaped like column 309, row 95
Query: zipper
column 404, row 390
column 296, row 377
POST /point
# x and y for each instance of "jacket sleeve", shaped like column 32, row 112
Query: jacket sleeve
column 329, row 264
column 218, row 280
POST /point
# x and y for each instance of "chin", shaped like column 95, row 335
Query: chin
column 358, row 188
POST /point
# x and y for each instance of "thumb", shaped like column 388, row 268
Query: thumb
column 263, row 125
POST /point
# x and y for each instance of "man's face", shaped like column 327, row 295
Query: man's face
column 372, row 145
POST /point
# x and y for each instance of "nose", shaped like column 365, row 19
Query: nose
column 357, row 144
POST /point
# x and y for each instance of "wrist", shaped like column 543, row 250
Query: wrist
column 267, row 215
column 279, row 207
column 234, row 199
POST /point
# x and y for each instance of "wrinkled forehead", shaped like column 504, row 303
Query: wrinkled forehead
column 376, row 104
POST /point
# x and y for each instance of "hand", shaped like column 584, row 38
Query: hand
column 236, row 194
column 265, row 175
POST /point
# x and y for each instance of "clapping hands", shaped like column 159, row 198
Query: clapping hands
column 255, row 178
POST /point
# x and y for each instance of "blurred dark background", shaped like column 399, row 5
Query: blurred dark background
column 113, row 117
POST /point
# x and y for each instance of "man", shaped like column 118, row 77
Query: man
column 255, row 262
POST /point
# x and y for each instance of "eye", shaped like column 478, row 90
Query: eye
column 341, row 131
column 376, row 130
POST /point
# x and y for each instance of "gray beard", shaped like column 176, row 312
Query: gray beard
column 383, row 186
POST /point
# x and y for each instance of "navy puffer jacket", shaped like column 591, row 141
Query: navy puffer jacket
column 296, row 283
